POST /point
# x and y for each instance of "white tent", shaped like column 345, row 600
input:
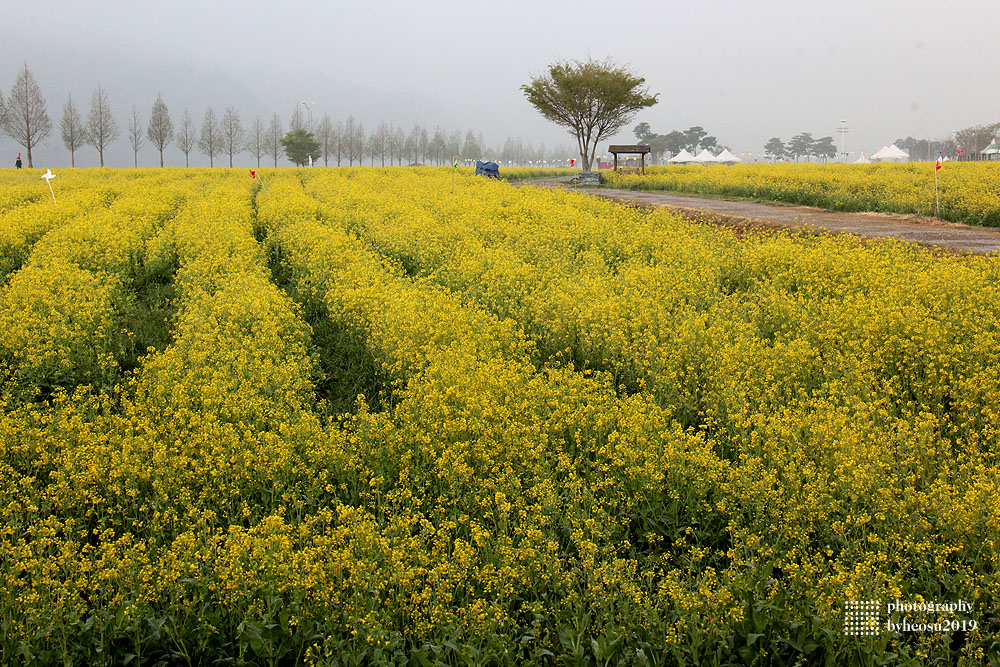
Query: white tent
column 682, row 158
column 862, row 159
column 705, row 157
column 891, row 154
column 991, row 149
column 727, row 157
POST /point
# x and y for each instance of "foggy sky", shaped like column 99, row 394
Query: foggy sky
column 745, row 71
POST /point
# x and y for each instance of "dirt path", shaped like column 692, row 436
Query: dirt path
column 925, row 231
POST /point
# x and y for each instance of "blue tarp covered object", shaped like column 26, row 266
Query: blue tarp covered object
column 489, row 169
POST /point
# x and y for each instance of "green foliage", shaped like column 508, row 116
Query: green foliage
column 593, row 99
column 693, row 136
column 299, row 145
column 801, row 145
column 774, row 147
column 824, row 147
column 642, row 133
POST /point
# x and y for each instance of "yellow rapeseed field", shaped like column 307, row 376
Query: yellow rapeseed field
column 364, row 418
column 969, row 192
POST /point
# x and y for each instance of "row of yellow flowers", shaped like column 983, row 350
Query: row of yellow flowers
column 61, row 313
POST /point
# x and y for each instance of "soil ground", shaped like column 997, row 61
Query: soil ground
column 925, row 231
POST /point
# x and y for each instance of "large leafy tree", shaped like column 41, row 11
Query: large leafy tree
column 775, row 147
column 593, row 99
column 675, row 140
column 801, row 144
column 26, row 119
column 693, row 136
column 643, row 133
column 824, row 148
column 299, row 145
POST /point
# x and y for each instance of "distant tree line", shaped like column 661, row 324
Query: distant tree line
column 693, row 140
column 24, row 116
column 970, row 141
column 800, row 146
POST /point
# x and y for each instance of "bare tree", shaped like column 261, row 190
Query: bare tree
column 325, row 137
column 274, row 135
column 472, row 147
column 354, row 140
column 413, row 145
column 102, row 128
column 399, row 145
column 371, row 148
column 136, row 135
column 71, row 128
column 3, row 114
column 298, row 119
column 453, row 147
column 210, row 140
column 339, row 142
column 348, row 140
column 185, row 137
column 437, row 146
column 423, row 144
column 26, row 119
column 233, row 134
column 161, row 128
column 381, row 143
column 256, row 140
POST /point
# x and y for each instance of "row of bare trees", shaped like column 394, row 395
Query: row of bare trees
column 344, row 143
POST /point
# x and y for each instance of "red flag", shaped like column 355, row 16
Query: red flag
column 572, row 163
column 253, row 174
column 937, row 165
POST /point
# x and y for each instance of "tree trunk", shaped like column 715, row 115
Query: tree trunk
column 101, row 151
column 30, row 165
column 161, row 157
column 72, row 159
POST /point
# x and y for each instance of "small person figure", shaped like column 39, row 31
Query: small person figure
column 17, row 163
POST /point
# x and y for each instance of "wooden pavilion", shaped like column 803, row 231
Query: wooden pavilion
column 636, row 149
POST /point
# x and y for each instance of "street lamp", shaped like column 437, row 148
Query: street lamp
column 843, row 130
column 310, row 110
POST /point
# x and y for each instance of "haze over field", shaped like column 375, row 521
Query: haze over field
column 744, row 71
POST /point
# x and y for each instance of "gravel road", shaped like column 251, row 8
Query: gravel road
column 922, row 230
